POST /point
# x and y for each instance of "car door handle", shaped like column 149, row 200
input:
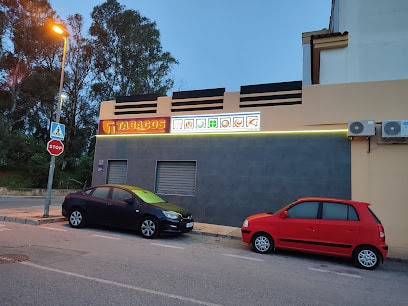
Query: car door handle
column 137, row 210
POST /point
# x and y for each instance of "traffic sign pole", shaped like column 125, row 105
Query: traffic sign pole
column 49, row 187
column 52, row 162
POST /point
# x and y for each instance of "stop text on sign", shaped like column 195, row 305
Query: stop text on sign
column 55, row 147
column 157, row 125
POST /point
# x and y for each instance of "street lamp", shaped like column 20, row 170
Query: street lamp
column 64, row 33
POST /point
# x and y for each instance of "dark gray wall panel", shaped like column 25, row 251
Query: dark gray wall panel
column 238, row 175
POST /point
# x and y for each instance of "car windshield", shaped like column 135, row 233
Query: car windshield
column 148, row 196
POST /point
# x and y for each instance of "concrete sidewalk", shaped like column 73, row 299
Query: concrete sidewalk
column 34, row 215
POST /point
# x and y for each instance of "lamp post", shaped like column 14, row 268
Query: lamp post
column 64, row 33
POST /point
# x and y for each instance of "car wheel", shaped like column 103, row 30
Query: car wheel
column 262, row 243
column 76, row 218
column 366, row 257
column 149, row 228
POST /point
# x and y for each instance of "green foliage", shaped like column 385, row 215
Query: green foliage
column 16, row 147
column 38, row 167
column 128, row 56
column 77, row 173
column 84, row 172
column 15, row 181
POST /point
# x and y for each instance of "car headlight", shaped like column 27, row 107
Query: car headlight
column 171, row 215
column 245, row 224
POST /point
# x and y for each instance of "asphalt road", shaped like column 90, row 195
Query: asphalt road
column 99, row 266
column 60, row 265
column 14, row 202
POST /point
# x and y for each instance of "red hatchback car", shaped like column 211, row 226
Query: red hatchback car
column 325, row 226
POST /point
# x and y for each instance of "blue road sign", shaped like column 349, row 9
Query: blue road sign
column 57, row 131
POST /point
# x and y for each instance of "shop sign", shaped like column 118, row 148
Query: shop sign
column 158, row 125
column 216, row 123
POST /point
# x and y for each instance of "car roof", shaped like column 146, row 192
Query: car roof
column 324, row 199
column 121, row 186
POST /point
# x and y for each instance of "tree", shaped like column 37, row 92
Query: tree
column 27, row 58
column 122, row 56
column 128, row 56
column 79, row 112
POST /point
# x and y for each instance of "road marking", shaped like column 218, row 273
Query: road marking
column 319, row 270
column 4, row 228
column 167, row 245
column 131, row 287
column 54, row 229
column 107, row 237
column 348, row 274
column 334, row 272
column 243, row 257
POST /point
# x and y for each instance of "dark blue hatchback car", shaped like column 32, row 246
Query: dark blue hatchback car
column 126, row 207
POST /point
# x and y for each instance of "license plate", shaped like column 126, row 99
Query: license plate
column 189, row 224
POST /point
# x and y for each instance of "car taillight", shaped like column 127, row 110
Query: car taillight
column 382, row 234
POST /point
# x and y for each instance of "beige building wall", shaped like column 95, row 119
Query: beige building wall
column 379, row 168
column 380, row 177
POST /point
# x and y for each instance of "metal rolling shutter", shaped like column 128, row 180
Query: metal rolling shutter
column 117, row 172
column 176, row 177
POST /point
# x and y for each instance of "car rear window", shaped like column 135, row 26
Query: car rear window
column 375, row 217
column 148, row 196
column 101, row 192
column 338, row 211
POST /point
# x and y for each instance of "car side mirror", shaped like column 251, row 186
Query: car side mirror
column 284, row 214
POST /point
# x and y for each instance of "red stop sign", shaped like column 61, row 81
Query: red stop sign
column 55, row 147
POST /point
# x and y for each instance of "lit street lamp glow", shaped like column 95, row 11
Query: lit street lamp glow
column 64, row 33
column 58, row 29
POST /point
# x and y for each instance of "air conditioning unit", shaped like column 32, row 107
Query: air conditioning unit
column 394, row 128
column 361, row 128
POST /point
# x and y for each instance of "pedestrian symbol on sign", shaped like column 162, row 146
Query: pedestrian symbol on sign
column 57, row 131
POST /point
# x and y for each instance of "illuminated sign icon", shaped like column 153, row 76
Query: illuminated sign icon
column 189, row 124
column 221, row 123
column 178, row 124
column 200, row 123
column 157, row 125
column 212, row 123
column 225, row 123
column 252, row 121
column 238, row 122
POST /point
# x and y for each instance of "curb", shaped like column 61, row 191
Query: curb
column 232, row 237
column 33, row 221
